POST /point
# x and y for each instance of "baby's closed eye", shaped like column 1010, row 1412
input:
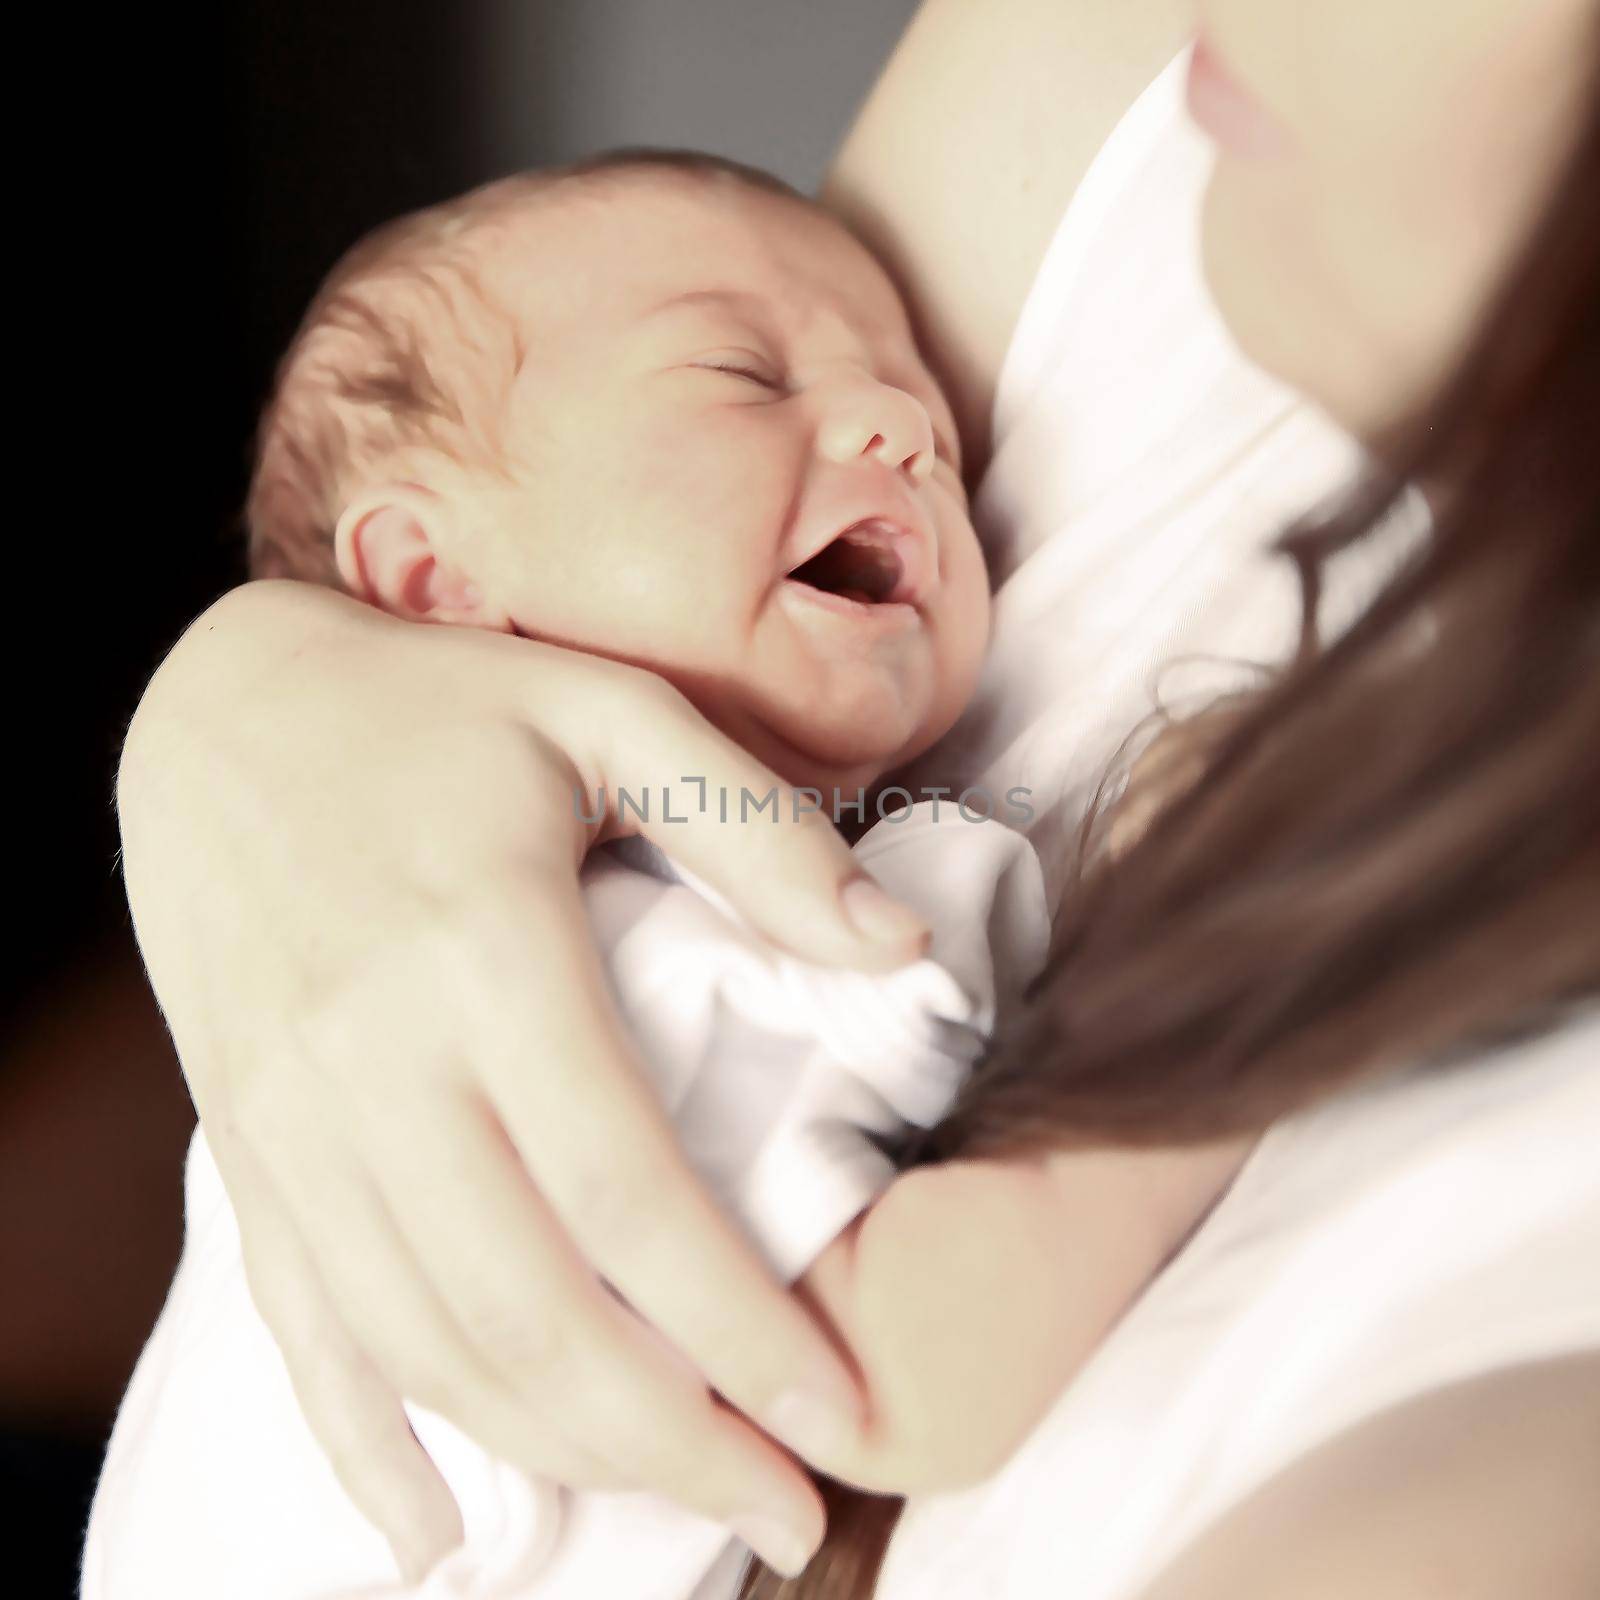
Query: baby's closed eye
column 748, row 367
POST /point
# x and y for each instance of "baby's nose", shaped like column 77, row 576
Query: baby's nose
column 881, row 423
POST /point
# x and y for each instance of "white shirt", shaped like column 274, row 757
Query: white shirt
column 1376, row 1246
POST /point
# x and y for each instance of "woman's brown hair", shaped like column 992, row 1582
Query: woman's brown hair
column 1392, row 854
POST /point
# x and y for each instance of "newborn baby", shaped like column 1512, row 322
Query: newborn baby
column 664, row 410
column 660, row 410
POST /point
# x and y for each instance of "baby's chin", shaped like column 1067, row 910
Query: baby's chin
column 837, row 735
column 837, row 753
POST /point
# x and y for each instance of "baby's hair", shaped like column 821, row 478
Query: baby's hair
column 407, row 351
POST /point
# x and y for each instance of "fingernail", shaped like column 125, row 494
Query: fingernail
column 810, row 1426
column 881, row 919
column 775, row 1542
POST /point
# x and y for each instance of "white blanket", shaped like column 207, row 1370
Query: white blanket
column 774, row 1072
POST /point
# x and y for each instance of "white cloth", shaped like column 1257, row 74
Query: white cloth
column 1141, row 469
column 773, row 1070
column 1377, row 1246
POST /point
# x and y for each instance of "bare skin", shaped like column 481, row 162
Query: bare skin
column 1477, row 1491
column 959, row 167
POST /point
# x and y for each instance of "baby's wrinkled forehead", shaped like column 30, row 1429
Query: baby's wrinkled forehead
column 618, row 245
column 423, row 341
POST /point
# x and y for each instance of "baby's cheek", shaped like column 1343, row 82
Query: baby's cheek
column 965, row 623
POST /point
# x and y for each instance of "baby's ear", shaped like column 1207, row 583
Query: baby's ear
column 389, row 551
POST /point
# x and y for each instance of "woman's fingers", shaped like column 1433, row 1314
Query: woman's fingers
column 621, row 1186
column 498, row 1256
column 360, row 1422
column 388, row 1303
column 340, row 1290
column 762, row 844
column 354, row 1413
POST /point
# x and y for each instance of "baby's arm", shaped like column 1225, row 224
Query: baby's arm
column 969, row 1293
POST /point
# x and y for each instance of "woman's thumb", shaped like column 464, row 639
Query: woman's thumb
column 796, row 882
column 769, row 849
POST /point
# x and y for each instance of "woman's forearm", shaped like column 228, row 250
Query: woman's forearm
column 221, row 672
column 970, row 1293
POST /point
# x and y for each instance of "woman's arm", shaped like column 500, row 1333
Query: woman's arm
column 969, row 1294
column 1480, row 1491
column 964, row 156
column 351, row 847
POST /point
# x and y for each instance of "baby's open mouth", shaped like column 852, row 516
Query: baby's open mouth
column 862, row 564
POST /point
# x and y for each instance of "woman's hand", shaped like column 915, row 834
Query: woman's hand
column 351, row 847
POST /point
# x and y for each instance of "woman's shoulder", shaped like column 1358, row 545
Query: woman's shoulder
column 1479, row 1489
column 1426, row 1235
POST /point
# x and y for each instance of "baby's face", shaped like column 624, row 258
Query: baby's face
column 735, row 469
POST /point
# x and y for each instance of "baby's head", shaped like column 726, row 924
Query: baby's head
column 660, row 408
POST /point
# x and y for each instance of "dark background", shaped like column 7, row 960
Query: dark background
column 176, row 191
